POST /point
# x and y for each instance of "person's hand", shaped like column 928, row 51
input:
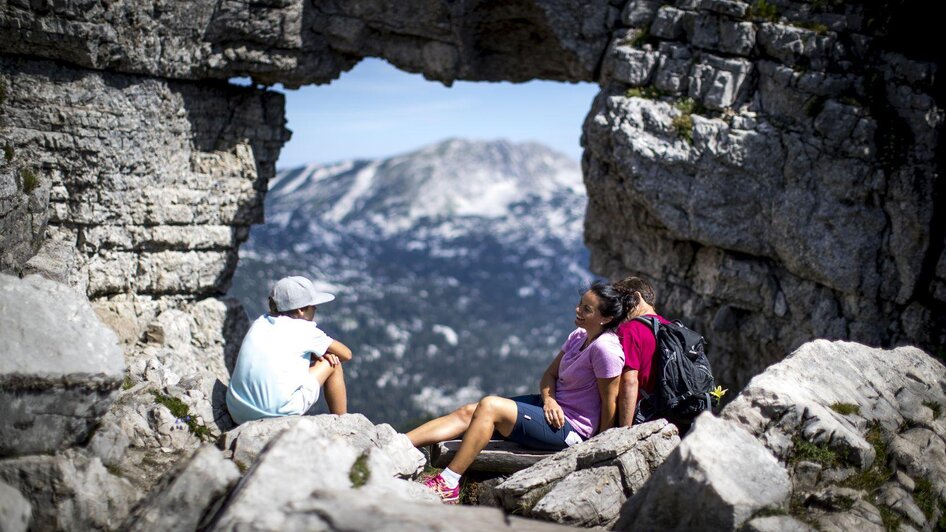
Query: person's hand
column 331, row 359
column 554, row 414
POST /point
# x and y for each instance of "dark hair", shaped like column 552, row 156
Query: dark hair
column 273, row 311
column 610, row 303
column 627, row 288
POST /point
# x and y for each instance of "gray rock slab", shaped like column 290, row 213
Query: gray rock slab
column 332, row 510
column 499, row 456
column 60, row 370
column 185, row 494
column 248, row 440
column 862, row 516
column 295, row 43
column 306, row 457
column 800, row 397
column 776, row 523
column 515, row 491
column 585, row 485
column 70, row 491
column 586, row 498
column 15, row 510
column 718, row 477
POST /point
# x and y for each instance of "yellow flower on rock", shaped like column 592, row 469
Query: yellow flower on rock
column 719, row 392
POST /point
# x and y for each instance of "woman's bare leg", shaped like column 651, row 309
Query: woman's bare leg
column 492, row 413
column 332, row 380
column 443, row 428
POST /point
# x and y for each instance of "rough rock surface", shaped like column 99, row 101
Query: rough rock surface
column 330, row 510
column 173, row 397
column 774, row 173
column 862, row 430
column 317, row 460
column 186, row 494
column 60, row 366
column 585, row 485
column 151, row 183
column 794, row 197
column 69, row 491
column 718, row 477
column 297, row 42
column 15, row 511
column 248, row 440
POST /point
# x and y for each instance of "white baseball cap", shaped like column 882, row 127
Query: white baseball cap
column 291, row 293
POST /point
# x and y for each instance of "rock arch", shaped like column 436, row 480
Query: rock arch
column 773, row 169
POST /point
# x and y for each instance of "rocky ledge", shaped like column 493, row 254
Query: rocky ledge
column 837, row 436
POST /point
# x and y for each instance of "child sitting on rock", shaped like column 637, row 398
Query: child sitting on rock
column 285, row 359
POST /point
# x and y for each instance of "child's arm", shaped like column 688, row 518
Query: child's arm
column 340, row 350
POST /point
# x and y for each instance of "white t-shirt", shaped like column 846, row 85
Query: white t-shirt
column 271, row 377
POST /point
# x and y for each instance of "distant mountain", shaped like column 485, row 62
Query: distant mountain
column 456, row 267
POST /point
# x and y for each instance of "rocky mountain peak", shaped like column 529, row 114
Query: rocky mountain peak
column 453, row 178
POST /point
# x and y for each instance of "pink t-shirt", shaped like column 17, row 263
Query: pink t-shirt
column 576, row 389
column 639, row 344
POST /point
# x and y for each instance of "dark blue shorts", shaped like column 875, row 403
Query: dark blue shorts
column 531, row 429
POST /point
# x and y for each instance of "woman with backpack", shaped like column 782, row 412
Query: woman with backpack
column 577, row 399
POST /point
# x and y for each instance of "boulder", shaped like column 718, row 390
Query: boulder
column 69, row 491
column 14, row 510
column 831, row 393
column 586, row 484
column 60, row 369
column 846, row 415
column 718, row 477
column 248, row 440
column 332, row 510
column 776, row 523
column 185, row 494
column 307, row 457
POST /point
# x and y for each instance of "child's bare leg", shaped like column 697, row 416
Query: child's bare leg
column 332, row 380
column 443, row 428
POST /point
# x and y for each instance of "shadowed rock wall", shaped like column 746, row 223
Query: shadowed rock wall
column 151, row 184
column 297, row 42
column 774, row 172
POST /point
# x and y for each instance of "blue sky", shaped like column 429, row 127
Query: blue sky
column 375, row 110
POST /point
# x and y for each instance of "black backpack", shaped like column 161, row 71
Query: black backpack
column 685, row 379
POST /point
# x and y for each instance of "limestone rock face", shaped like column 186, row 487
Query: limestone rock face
column 69, row 491
column 586, row 484
column 297, row 42
column 186, row 493
column 174, row 393
column 152, row 183
column 14, row 509
column 332, row 510
column 60, row 369
column 248, row 440
column 718, row 477
column 775, row 181
column 858, row 427
column 316, row 460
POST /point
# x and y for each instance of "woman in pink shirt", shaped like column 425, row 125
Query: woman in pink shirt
column 577, row 399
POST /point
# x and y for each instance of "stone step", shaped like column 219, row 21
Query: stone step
column 499, row 456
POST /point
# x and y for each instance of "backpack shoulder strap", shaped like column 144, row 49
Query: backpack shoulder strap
column 652, row 321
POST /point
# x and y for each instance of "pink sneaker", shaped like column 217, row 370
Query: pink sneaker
column 439, row 486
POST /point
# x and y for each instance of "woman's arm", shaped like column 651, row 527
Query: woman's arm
column 608, row 390
column 628, row 397
column 554, row 414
